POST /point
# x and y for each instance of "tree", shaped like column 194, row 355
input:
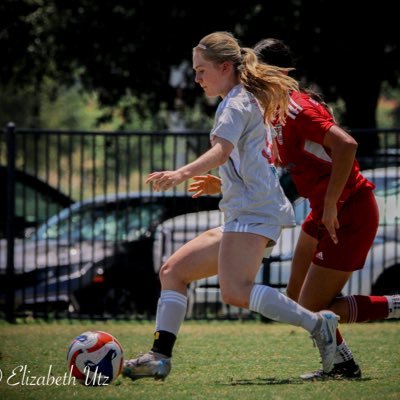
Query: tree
column 347, row 51
column 125, row 46
column 357, row 51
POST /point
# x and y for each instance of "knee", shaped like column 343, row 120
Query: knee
column 169, row 273
column 234, row 297
column 164, row 271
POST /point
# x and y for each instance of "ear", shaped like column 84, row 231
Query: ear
column 226, row 66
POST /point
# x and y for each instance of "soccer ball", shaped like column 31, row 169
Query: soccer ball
column 95, row 358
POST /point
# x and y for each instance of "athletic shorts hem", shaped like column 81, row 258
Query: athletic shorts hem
column 271, row 232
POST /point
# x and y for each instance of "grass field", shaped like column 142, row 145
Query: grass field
column 212, row 360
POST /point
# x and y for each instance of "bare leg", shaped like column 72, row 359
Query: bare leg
column 195, row 260
column 303, row 255
column 239, row 260
column 321, row 287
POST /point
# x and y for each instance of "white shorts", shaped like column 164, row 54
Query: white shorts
column 271, row 232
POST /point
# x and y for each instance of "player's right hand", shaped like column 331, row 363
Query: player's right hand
column 205, row 184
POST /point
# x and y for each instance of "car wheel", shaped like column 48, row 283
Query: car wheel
column 388, row 282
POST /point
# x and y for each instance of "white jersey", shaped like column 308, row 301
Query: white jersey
column 251, row 192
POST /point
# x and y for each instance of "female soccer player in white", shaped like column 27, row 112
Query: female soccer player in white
column 254, row 205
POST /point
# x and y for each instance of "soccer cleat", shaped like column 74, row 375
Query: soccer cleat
column 345, row 370
column 148, row 365
column 324, row 336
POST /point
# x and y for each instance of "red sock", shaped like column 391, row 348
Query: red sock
column 367, row 308
column 339, row 338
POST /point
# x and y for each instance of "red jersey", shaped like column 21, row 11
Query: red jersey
column 301, row 149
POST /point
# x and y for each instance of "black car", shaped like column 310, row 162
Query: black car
column 95, row 256
column 35, row 201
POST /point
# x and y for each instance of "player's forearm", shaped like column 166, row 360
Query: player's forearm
column 342, row 164
column 213, row 158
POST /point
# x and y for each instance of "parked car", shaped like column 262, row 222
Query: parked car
column 96, row 255
column 35, row 201
column 380, row 275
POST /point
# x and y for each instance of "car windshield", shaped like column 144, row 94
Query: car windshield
column 108, row 222
column 387, row 191
column 40, row 206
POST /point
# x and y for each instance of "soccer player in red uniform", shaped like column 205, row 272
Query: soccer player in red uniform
column 339, row 231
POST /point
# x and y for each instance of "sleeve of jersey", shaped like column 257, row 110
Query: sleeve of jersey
column 313, row 122
column 230, row 125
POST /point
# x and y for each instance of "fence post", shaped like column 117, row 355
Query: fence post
column 10, row 231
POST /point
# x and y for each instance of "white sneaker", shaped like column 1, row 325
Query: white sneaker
column 324, row 336
column 148, row 365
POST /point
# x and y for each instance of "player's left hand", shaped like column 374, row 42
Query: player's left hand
column 329, row 219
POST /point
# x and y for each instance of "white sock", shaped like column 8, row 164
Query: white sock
column 343, row 353
column 274, row 305
column 171, row 311
column 393, row 306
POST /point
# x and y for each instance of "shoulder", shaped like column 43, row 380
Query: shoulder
column 239, row 97
column 303, row 100
column 241, row 103
column 303, row 104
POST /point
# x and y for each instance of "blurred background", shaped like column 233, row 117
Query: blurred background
column 126, row 64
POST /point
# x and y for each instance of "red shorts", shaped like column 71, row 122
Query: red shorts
column 358, row 219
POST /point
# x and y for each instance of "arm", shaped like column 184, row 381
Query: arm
column 211, row 159
column 343, row 150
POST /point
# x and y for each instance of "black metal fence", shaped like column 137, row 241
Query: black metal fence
column 82, row 234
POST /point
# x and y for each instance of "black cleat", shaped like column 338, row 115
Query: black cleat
column 345, row 370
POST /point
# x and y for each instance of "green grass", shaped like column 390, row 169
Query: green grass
column 212, row 360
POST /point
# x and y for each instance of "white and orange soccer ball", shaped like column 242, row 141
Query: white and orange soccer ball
column 95, row 358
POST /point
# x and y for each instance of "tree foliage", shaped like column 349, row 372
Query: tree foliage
column 125, row 47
